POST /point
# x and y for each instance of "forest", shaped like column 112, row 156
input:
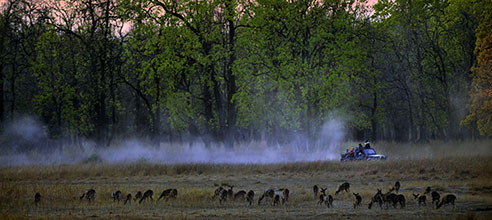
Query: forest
column 239, row 70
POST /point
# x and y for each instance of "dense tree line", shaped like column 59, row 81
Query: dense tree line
column 225, row 70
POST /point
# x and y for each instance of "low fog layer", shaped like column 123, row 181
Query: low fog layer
column 27, row 136
column 27, row 133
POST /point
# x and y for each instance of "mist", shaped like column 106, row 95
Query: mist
column 22, row 146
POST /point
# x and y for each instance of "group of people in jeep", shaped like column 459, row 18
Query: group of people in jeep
column 357, row 151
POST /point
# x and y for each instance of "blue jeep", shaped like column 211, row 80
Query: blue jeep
column 365, row 154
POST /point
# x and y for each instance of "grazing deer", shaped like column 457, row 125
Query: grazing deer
column 379, row 198
column 396, row 187
column 315, row 190
column 89, row 195
column 138, row 196
column 230, row 193
column 399, row 199
column 147, row 194
column 240, row 195
column 217, row 191
column 448, row 199
column 128, row 198
column 168, row 193
column 358, row 200
column 37, row 199
column 250, row 196
column 389, row 199
column 344, row 187
column 116, row 196
column 435, row 198
column 420, row 199
column 327, row 200
column 269, row 193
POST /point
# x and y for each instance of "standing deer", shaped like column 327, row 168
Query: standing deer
column 358, row 200
column 250, row 196
column 147, row 195
column 116, row 196
column 315, row 190
column 327, row 200
column 435, row 198
column 89, row 195
column 420, row 199
column 396, row 187
column 37, row 199
column 343, row 187
column 377, row 198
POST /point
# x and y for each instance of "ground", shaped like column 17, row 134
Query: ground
column 468, row 177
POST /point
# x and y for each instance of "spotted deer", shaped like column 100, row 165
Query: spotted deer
column 343, row 187
column 315, row 190
column 147, row 195
column 435, row 198
column 358, row 200
column 269, row 193
column 250, row 196
column 448, row 199
column 168, row 194
column 421, row 199
column 37, row 199
column 396, row 187
column 377, row 198
column 240, row 195
column 128, row 198
column 138, row 196
column 116, row 196
column 89, row 195
column 324, row 199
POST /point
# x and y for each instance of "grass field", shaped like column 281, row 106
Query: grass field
column 467, row 173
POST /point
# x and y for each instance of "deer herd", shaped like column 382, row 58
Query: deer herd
column 277, row 197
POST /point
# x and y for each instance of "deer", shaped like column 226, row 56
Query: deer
column 396, row 187
column 285, row 195
column 377, row 198
column 147, row 195
column 138, row 196
column 168, row 194
column 327, row 200
column 448, row 199
column 37, row 199
column 420, row 199
column 89, row 195
column 399, row 199
column 230, row 193
column 358, row 200
column 269, row 193
column 435, row 198
column 315, row 190
column 343, row 187
column 128, row 198
column 116, row 196
column 240, row 195
column 250, row 196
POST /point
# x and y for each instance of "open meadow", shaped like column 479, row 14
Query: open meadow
column 466, row 173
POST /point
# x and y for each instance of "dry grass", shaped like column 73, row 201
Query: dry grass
column 468, row 177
